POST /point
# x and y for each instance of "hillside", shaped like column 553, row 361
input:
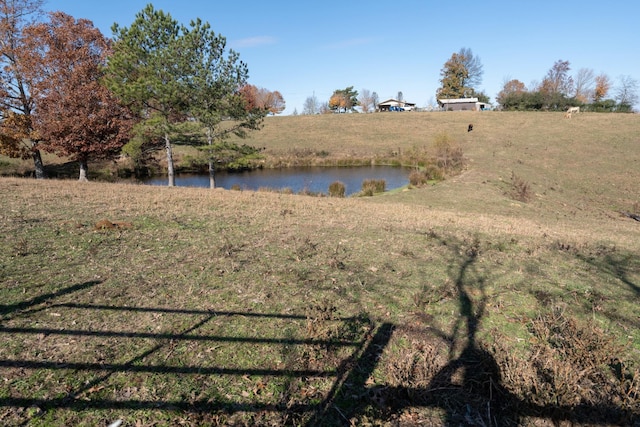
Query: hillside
column 452, row 304
column 586, row 166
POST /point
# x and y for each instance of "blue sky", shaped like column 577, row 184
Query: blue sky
column 301, row 48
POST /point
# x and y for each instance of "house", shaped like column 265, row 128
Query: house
column 462, row 104
column 395, row 105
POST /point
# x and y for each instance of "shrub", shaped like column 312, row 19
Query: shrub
column 372, row 186
column 336, row 189
column 448, row 155
column 417, row 178
column 520, row 189
column 434, row 173
column 431, row 172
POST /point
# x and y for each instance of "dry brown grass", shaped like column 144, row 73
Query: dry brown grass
column 448, row 304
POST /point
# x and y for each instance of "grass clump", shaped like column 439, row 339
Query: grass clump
column 337, row 189
column 373, row 186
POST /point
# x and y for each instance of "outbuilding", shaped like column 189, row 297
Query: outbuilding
column 462, row 104
column 395, row 105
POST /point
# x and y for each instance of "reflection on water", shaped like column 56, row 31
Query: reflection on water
column 313, row 179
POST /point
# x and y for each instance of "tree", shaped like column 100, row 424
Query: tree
column 344, row 99
column 557, row 87
column 16, row 136
column 275, row 102
column 626, row 93
column 324, row 108
column 558, row 81
column 461, row 75
column 365, row 99
column 584, row 81
column 482, row 96
column 338, row 102
column 474, row 68
column 219, row 98
column 77, row 116
column 375, row 100
column 150, row 70
column 233, row 108
column 603, row 84
column 454, row 78
column 509, row 89
column 15, row 130
column 257, row 97
column 311, row 105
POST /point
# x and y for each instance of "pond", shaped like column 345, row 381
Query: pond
column 312, row 179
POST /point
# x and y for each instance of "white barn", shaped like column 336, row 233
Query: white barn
column 462, row 104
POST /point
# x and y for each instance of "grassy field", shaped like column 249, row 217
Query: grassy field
column 450, row 304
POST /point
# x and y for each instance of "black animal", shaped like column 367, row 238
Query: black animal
column 470, row 128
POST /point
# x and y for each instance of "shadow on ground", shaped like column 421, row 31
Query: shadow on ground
column 468, row 389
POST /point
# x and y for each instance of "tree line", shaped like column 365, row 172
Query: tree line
column 461, row 77
column 67, row 89
column 342, row 101
column 558, row 90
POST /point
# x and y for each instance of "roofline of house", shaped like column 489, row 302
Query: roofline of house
column 458, row 100
column 395, row 100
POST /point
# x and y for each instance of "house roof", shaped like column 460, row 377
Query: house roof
column 458, row 100
column 395, row 101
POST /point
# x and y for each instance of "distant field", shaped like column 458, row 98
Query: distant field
column 584, row 166
column 451, row 304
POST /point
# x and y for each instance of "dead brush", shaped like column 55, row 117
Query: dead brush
column 323, row 326
column 322, row 321
column 434, row 294
column 570, row 364
column 305, row 248
column 414, row 368
column 229, row 247
column 447, row 153
column 520, row 189
column 108, row 225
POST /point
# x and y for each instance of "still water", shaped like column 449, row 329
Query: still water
column 313, row 179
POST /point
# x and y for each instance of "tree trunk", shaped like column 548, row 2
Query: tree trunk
column 38, row 165
column 84, row 168
column 170, row 169
column 212, row 174
column 212, row 165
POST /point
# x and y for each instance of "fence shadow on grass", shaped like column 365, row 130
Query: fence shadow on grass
column 468, row 389
column 80, row 399
column 7, row 309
